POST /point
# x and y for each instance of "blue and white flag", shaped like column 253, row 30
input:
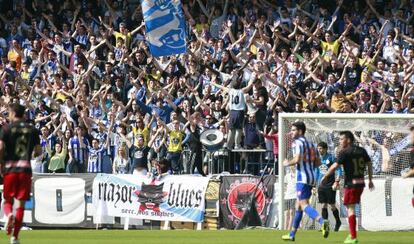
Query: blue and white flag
column 165, row 26
column 399, row 146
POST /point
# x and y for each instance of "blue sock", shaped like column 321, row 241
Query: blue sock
column 296, row 222
column 313, row 214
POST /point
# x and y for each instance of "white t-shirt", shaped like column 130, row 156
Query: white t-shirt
column 291, row 185
column 390, row 53
column 121, row 165
column 237, row 101
column 251, row 107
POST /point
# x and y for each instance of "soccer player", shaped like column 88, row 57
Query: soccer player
column 326, row 192
column 354, row 160
column 18, row 140
column 306, row 158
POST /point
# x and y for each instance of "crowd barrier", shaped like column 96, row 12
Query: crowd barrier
column 185, row 201
column 239, row 161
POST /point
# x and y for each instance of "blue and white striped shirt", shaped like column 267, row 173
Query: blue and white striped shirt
column 82, row 39
column 95, row 160
column 305, row 173
column 78, row 153
column 50, row 141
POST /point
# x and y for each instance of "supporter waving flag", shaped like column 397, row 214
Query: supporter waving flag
column 165, row 26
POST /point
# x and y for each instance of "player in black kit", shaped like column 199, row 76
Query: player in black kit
column 355, row 161
column 17, row 142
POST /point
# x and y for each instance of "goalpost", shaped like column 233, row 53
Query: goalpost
column 386, row 139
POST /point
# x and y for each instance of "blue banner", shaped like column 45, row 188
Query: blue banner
column 165, row 26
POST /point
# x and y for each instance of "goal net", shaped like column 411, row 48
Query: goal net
column 386, row 139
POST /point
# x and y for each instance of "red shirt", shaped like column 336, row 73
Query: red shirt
column 275, row 142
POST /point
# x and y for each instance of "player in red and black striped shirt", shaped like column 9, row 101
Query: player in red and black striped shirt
column 18, row 141
column 355, row 161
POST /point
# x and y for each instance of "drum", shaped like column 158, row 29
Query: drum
column 212, row 139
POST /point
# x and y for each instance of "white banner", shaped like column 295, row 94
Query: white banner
column 172, row 198
column 388, row 207
column 60, row 200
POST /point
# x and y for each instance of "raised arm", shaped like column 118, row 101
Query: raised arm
column 203, row 8
column 373, row 10
column 138, row 28
column 223, row 88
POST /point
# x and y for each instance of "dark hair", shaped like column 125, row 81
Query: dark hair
column 412, row 128
column 323, row 145
column 165, row 165
column 348, row 135
column 236, row 84
column 54, row 150
column 396, row 101
column 18, row 109
column 300, row 126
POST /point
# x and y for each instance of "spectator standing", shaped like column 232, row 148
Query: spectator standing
column 78, row 151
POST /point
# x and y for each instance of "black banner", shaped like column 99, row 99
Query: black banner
column 235, row 193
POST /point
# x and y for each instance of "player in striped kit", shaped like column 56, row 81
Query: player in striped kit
column 306, row 158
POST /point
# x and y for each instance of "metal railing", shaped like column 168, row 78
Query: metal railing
column 240, row 161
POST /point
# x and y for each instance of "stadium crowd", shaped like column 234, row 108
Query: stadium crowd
column 91, row 86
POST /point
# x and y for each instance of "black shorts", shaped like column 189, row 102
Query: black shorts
column 236, row 119
column 326, row 195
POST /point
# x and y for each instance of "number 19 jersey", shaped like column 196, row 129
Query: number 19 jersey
column 237, row 101
column 354, row 160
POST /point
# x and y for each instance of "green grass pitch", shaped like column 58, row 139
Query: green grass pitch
column 199, row 237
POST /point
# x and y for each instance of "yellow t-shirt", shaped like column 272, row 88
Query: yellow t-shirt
column 127, row 38
column 314, row 102
column 338, row 100
column 141, row 132
column 12, row 55
column 60, row 96
column 367, row 64
column 329, row 49
column 25, row 75
column 199, row 27
column 253, row 49
column 176, row 139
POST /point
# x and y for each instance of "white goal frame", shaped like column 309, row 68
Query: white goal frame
column 282, row 145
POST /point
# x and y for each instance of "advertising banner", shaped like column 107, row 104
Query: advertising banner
column 235, row 193
column 170, row 198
